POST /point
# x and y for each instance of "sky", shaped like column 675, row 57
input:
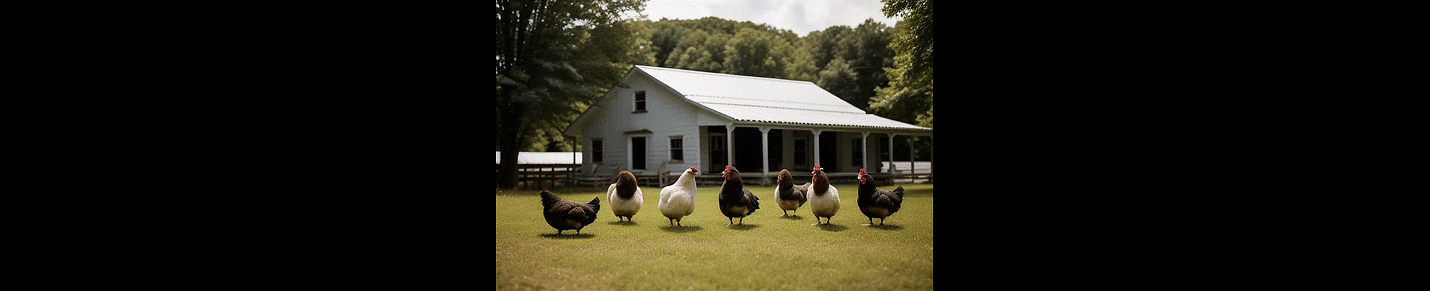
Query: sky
column 800, row 16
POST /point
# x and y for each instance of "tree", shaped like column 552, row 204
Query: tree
column 757, row 53
column 916, row 36
column 909, row 94
column 553, row 59
column 838, row 79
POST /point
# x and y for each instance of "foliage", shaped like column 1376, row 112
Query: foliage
column 757, row 53
column 909, row 94
column 916, row 36
column 554, row 58
column 744, row 48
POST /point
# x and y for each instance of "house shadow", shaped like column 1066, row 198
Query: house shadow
column 568, row 236
column 832, row 227
column 680, row 229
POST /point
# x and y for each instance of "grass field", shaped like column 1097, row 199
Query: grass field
column 769, row 252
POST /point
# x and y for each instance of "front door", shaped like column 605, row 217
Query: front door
column 638, row 153
column 717, row 153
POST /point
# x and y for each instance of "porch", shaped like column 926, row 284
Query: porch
column 760, row 151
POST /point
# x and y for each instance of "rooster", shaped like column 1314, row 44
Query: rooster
column 877, row 203
column 625, row 195
column 678, row 200
column 824, row 199
column 787, row 195
column 565, row 214
column 735, row 200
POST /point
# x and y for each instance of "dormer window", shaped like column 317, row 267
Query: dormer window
column 640, row 102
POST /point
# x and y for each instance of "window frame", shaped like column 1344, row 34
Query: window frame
column 677, row 146
column 639, row 102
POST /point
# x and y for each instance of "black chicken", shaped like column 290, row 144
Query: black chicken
column 565, row 214
column 735, row 200
column 875, row 202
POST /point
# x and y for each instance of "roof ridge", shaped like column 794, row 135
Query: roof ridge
column 722, row 74
column 767, row 100
column 791, row 108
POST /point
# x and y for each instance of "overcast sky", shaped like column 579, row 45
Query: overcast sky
column 800, row 16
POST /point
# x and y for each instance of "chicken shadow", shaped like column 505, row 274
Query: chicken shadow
column 680, row 229
column 793, row 217
column 568, row 236
column 832, row 227
column 746, row 226
column 624, row 222
column 885, row 227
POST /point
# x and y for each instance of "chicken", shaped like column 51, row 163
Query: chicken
column 565, row 214
column 877, row 203
column 678, row 200
column 824, row 199
column 735, row 200
column 625, row 195
column 787, row 195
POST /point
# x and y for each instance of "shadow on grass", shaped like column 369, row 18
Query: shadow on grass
column 884, row 227
column 621, row 223
column 568, row 236
column 793, row 217
column 746, row 226
column 680, row 229
column 832, row 227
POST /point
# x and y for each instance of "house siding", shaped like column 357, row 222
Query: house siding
column 665, row 116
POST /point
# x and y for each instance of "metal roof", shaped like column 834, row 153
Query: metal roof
column 768, row 100
column 543, row 158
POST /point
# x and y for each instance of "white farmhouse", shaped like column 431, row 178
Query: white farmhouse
column 676, row 119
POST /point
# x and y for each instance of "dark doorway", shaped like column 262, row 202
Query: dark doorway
column 828, row 153
column 776, row 149
column 747, row 150
column 638, row 153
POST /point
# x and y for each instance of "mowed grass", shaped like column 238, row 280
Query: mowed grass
column 769, row 252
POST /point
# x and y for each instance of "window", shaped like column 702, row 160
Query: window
column 800, row 152
column 596, row 151
column 637, row 153
column 640, row 102
column 856, row 157
column 677, row 149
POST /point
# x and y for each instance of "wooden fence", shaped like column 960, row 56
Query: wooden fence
column 536, row 176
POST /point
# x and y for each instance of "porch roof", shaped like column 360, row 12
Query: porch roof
column 771, row 101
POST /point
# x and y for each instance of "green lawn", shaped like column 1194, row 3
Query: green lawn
column 768, row 252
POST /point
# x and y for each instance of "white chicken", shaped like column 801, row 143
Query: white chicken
column 823, row 198
column 678, row 200
column 625, row 196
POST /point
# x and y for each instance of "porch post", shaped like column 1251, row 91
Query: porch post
column 864, row 150
column 765, row 154
column 729, row 145
column 891, row 152
column 911, row 158
column 816, row 145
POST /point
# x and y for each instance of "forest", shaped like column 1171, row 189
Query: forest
column 555, row 58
